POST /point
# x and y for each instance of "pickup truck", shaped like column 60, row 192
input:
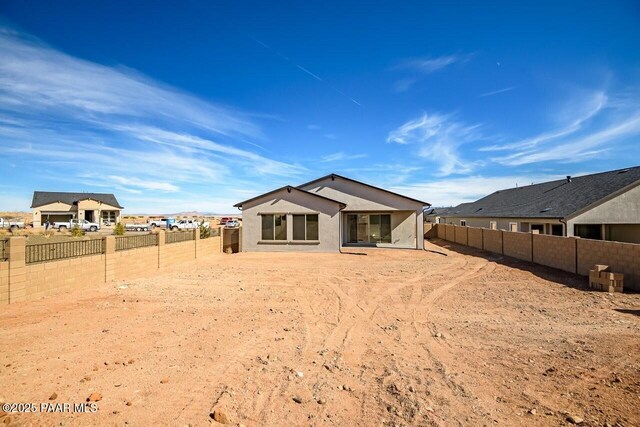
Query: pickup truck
column 13, row 225
column 83, row 224
column 188, row 224
column 161, row 223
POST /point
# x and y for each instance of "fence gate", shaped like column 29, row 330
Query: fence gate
column 231, row 240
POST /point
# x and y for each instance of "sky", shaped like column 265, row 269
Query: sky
column 196, row 105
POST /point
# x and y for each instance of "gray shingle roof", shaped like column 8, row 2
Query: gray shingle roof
column 41, row 198
column 554, row 199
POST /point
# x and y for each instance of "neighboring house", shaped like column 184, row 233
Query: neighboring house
column 328, row 213
column 604, row 206
column 57, row 206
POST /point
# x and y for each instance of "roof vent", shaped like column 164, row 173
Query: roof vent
column 545, row 210
column 623, row 171
column 478, row 210
column 568, row 178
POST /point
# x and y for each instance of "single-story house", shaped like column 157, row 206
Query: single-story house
column 329, row 213
column 59, row 206
column 604, row 206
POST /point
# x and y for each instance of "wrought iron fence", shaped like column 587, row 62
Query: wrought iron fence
column 124, row 243
column 3, row 249
column 215, row 232
column 53, row 251
column 180, row 236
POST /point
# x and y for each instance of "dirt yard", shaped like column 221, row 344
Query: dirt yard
column 379, row 338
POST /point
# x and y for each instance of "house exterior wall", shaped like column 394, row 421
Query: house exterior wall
column 63, row 208
column 295, row 202
column 621, row 209
column 405, row 225
column 524, row 224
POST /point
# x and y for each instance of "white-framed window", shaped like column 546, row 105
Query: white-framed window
column 305, row 226
column 493, row 225
column 463, row 222
column 513, row 226
column 274, row 226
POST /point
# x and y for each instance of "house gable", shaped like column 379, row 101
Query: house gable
column 359, row 196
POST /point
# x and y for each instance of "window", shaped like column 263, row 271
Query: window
column 537, row 228
column 463, row 222
column 366, row 228
column 305, row 227
column 556, row 230
column 513, row 226
column 588, row 231
column 274, row 227
column 493, row 225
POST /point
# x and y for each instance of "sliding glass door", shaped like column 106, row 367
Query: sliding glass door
column 369, row 228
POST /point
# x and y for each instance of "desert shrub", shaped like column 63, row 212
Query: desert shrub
column 205, row 231
column 119, row 230
column 76, row 231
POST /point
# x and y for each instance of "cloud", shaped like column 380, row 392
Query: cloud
column 587, row 108
column 431, row 65
column 592, row 126
column 496, row 92
column 420, row 67
column 81, row 122
column 341, row 156
column 453, row 191
column 438, row 137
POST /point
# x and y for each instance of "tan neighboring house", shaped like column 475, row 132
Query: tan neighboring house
column 329, row 213
column 603, row 206
column 59, row 206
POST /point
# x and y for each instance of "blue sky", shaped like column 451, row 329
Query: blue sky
column 198, row 105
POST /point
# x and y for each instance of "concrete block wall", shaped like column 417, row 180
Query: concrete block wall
column 450, row 232
column 134, row 263
column 621, row 257
column 20, row 281
column 554, row 251
column 492, row 240
column 570, row 254
column 517, row 245
column 474, row 237
column 4, row 282
column 49, row 278
column 460, row 234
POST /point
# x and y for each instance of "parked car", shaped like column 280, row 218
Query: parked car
column 188, row 224
column 161, row 223
column 12, row 225
column 136, row 227
column 83, row 224
column 225, row 219
column 234, row 223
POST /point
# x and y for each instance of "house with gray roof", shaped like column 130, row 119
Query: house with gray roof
column 604, row 206
column 60, row 206
column 329, row 213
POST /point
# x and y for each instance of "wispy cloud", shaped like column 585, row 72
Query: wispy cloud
column 453, row 191
column 341, row 156
column 438, row 138
column 76, row 119
column 591, row 127
column 420, row 67
column 497, row 92
column 431, row 65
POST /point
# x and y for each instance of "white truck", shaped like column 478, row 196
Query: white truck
column 83, row 224
column 188, row 224
column 12, row 225
column 161, row 223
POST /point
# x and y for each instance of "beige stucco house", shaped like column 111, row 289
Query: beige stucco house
column 59, row 206
column 329, row 213
column 604, row 206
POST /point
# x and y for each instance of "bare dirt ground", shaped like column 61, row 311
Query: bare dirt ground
column 390, row 337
